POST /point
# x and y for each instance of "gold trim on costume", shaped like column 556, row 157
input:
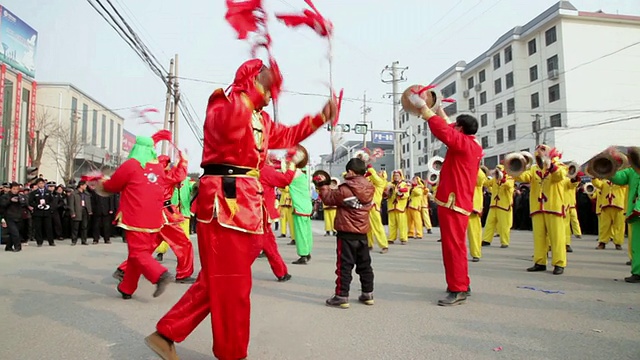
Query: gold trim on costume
column 451, row 204
column 122, row 225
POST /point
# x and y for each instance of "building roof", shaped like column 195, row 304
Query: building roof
column 76, row 89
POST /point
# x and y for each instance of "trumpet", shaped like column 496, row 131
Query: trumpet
column 634, row 158
column 485, row 169
column 516, row 163
column 529, row 157
column 435, row 164
column 572, row 169
column 589, row 188
column 433, row 178
column 428, row 94
column 605, row 164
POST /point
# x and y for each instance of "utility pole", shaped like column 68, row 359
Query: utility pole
column 397, row 76
column 537, row 128
column 176, row 109
column 167, row 105
column 365, row 111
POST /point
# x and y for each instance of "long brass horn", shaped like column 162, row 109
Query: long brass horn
column 430, row 96
column 435, row 164
column 572, row 169
column 589, row 188
column 515, row 164
column 604, row 165
column 529, row 157
column 634, row 158
column 433, row 178
column 484, row 169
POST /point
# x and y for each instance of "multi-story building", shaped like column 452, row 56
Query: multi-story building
column 85, row 135
column 567, row 78
column 342, row 155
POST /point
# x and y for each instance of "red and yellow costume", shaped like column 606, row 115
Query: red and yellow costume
column 612, row 204
column 376, row 229
column 397, row 204
column 500, row 214
column 172, row 232
column 286, row 212
column 571, row 223
column 474, row 231
column 458, row 178
column 231, row 213
column 414, row 213
column 426, row 215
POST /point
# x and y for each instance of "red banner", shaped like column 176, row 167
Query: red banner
column 16, row 128
column 32, row 117
column 3, row 75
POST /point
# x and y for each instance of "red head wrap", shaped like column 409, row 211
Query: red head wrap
column 245, row 81
column 164, row 160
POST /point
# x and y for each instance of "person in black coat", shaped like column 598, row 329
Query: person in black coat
column 40, row 200
column 103, row 209
column 12, row 204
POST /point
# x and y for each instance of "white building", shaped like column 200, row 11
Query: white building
column 575, row 72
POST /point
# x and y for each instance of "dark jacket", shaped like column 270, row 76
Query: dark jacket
column 101, row 205
column 41, row 203
column 354, row 199
column 13, row 209
column 75, row 205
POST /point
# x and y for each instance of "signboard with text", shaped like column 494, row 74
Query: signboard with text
column 19, row 42
column 128, row 140
column 382, row 137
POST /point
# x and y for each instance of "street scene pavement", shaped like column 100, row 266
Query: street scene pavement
column 61, row 303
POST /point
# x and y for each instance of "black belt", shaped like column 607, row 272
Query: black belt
column 167, row 203
column 224, row 170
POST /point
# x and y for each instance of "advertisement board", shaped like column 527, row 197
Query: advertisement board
column 128, row 140
column 382, row 137
column 19, row 42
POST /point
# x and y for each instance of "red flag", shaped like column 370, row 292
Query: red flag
column 241, row 15
column 312, row 19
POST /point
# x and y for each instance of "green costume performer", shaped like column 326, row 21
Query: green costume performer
column 302, row 210
column 630, row 177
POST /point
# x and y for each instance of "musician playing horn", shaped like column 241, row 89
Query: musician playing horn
column 500, row 215
column 376, row 230
column 454, row 197
column 398, row 191
column 612, row 219
column 571, row 223
column 474, row 232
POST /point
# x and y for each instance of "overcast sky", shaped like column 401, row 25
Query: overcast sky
column 76, row 45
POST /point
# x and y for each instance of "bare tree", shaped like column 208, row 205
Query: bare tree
column 71, row 146
column 36, row 143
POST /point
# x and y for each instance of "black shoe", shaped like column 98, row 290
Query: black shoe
column 162, row 283
column 335, row 233
column 475, row 259
column 73, row 243
column 558, row 270
column 618, row 247
column 262, row 255
column 484, row 243
column 537, row 267
column 292, row 242
column 454, row 298
column 601, row 246
column 17, row 250
column 160, row 257
column 8, row 249
column 40, row 245
column 468, row 292
column 629, row 262
column 439, row 240
column 301, row 261
column 366, row 298
column 634, row 279
column 118, row 275
column 429, row 231
column 187, row 280
column 107, row 241
column 52, row 244
column 504, row 246
column 124, row 296
column 308, row 257
column 569, row 249
column 327, row 234
column 95, row 243
column 338, row 301
column 85, row 243
column 283, row 235
column 284, row 278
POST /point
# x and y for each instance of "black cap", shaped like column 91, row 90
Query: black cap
column 6, row 184
column 14, row 184
column 51, row 183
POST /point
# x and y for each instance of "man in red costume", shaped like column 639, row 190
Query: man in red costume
column 141, row 182
column 230, row 211
column 171, row 231
column 455, row 193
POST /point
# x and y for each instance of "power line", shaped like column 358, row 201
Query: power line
column 99, row 110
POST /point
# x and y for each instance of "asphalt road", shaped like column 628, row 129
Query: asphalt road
column 61, row 303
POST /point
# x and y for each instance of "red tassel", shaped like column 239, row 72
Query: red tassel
column 163, row 134
column 338, row 107
column 241, row 16
column 423, row 89
column 449, row 100
column 92, row 176
column 312, row 19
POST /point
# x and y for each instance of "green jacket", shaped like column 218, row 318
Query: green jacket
column 629, row 177
column 182, row 197
column 301, row 194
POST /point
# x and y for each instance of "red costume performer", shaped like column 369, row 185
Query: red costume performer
column 270, row 178
column 171, row 231
column 454, row 196
column 230, row 212
column 141, row 183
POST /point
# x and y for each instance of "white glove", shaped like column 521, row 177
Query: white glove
column 297, row 158
column 417, row 101
column 546, row 161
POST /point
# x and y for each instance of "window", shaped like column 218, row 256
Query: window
column 419, row 145
column 472, row 103
column 496, row 61
column 103, row 142
column 94, row 129
column 550, row 36
column 483, row 120
column 511, row 132
column 470, row 83
column 85, row 114
column 535, row 100
column 418, row 129
column 483, row 97
column 554, row 93
column 485, row 142
column 556, row 120
column 552, row 63
column 532, row 47
column 449, row 90
column 498, row 111
column 433, row 138
column 482, row 76
column 533, row 73
column 508, row 54
column 497, row 86
column 500, row 136
column 74, row 114
column 511, row 106
column 110, row 135
column 509, row 80
column 451, row 109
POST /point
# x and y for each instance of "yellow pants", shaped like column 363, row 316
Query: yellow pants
column 377, row 230
column 499, row 221
column 567, row 228
column 398, row 223
column 611, row 225
column 426, row 218
column 474, row 235
column 329, row 219
column 414, row 218
column 286, row 218
column 552, row 226
column 164, row 247
column 575, row 223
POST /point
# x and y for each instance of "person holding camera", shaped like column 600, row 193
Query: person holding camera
column 12, row 204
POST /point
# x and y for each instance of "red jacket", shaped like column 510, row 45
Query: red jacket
column 235, row 134
column 141, row 195
column 354, row 199
column 173, row 178
column 270, row 178
column 459, row 172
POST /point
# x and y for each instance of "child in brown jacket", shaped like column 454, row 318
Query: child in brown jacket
column 354, row 199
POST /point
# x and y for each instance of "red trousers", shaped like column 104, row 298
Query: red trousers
column 270, row 248
column 453, row 229
column 140, row 260
column 223, row 289
column 180, row 245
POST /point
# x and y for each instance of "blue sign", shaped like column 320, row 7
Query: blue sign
column 19, row 43
column 382, row 137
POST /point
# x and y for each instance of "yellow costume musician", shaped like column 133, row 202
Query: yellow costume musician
column 546, row 201
column 398, row 196
column 571, row 223
column 286, row 213
column 474, row 231
column 375, row 220
column 414, row 211
column 612, row 221
column 426, row 215
column 500, row 214
column 329, row 212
